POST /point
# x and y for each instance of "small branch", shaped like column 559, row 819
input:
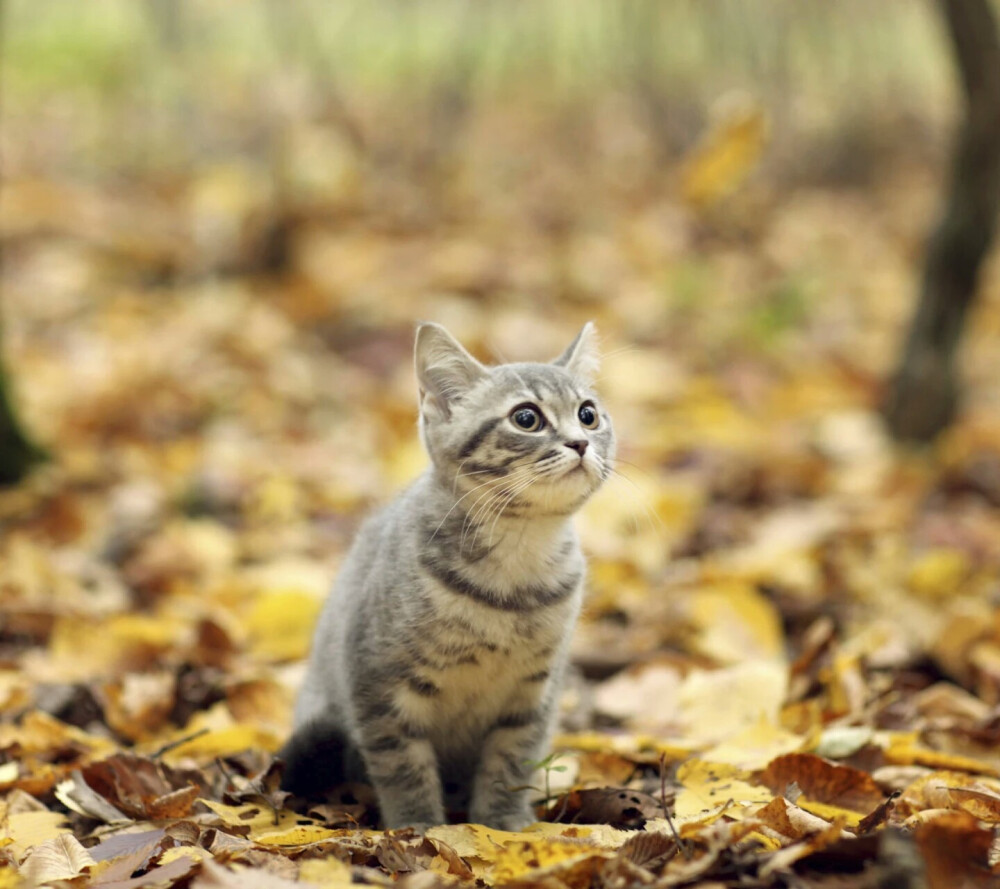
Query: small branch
column 180, row 742
column 685, row 851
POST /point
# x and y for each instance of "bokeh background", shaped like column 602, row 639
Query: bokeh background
column 221, row 222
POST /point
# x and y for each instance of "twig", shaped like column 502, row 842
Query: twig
column 180, row 742
column 685, row 851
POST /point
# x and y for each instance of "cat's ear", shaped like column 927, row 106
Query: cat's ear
column 444, row 369
column 582, row 357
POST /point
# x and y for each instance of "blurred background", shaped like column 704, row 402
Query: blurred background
column 220, row 223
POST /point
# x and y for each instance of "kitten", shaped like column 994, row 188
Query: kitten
column 438, row 657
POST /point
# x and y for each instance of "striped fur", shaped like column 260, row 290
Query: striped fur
column 438, row 656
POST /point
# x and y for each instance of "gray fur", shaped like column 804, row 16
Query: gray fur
column 439, row 653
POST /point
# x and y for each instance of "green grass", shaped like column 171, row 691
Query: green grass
column 827, row 45
column 118, row 69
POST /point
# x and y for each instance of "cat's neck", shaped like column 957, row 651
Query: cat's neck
column 482, row 527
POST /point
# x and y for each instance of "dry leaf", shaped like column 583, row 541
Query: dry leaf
column 59, row 858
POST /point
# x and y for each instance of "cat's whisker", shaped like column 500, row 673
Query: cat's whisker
column 472, row 513
column 455, row 505
column 516, row 493
column 481, row 516
column 655, row 522
column 478, row 517
column 635, row 466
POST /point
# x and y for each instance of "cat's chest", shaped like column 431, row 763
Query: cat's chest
column 465, row 685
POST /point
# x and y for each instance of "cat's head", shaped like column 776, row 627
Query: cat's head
column 532, row 436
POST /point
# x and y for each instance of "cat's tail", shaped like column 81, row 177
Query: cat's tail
column 317, row 758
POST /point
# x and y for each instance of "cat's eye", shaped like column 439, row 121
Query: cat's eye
column 527, row 418
column 588, row 415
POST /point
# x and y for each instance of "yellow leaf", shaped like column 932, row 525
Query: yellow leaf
column 276, row 499
column 708, row 785
column 270, row 827
column 939, row 573
column 298, row 835
column 727, row 154
column 755, row 746
column 328, row 873
column 9, row 878
column 195, row 852
column 736, row 623
column 903, row 749
column 128, row 642
column 222, row 742
column 536, row 860
column 28, row 829
column 39, row 733
column 716, row 704
column 829, row 812
column 15, row 691
column 281, row 624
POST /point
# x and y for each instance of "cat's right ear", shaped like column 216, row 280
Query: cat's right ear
column 444, row 369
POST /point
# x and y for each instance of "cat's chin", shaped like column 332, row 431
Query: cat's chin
column 564, row 494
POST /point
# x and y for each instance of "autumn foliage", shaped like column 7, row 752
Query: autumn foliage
column 788, row 669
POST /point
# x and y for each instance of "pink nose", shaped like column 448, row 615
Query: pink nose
column 579, row 446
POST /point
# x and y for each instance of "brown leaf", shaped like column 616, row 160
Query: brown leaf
column 822, row 781
column 879, row 814
column 789, row 820
column 956, row 850
column 617, row 806
column 126, row 854
column 166, row 875
column 215, row 876
column 649, row 849
column 142, row 787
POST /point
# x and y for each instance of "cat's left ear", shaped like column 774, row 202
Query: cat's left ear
column 582, row 358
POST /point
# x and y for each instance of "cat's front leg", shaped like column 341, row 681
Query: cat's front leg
column 500, row 795
column 403, row 768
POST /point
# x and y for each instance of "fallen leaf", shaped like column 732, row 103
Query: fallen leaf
column 28, row 829
column 706, row 786
column 59, row 858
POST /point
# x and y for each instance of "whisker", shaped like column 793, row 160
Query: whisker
column 655, row 522
column 474, row 511
column 455, row 505
column 516, row 493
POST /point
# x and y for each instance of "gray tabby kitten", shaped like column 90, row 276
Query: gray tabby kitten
column 438, row 657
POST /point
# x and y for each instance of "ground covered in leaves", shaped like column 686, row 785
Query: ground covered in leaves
column 788, row 672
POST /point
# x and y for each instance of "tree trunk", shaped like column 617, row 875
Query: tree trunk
column 923, row 395
column 17, row 453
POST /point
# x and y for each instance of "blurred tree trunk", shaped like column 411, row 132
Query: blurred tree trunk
column 17, row 453
column 923, row 394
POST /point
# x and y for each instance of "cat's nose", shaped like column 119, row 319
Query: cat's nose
column 580, row 446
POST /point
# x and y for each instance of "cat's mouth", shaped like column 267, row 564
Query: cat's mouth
column 576, row 469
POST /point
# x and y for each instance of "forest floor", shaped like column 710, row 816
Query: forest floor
column 788, row 669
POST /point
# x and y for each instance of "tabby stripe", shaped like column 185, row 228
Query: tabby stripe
column 423, row 687
column 500, row 469
column 540, row 676
column 519, row 599
column 384, row 744
column 519, row 719
column 476, row 440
